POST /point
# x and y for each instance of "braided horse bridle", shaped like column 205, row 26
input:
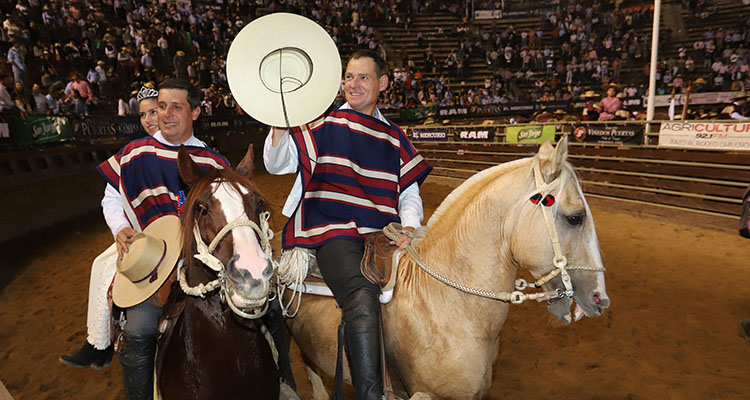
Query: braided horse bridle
column 205, row 255
column 542, row 197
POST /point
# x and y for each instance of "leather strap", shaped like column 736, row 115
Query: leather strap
column 387, row 384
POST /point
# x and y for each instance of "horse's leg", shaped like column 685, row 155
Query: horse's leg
column 319, row 390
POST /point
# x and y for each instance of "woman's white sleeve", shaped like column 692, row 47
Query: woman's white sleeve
column 113, row 212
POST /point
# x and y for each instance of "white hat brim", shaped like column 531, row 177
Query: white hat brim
column 265, row 36
column 126, row 293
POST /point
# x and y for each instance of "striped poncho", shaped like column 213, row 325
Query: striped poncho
column 353, row 168
column 146, row 174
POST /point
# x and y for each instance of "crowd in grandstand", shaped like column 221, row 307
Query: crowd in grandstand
column 76, row 57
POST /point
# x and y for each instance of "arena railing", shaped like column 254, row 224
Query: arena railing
column 617, row 160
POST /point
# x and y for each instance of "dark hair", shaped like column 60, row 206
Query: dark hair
column 193, row 95
column 379, row 62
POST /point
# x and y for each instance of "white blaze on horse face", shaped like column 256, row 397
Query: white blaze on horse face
column 246, row 246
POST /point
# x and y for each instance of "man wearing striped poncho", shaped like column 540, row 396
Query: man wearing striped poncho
column 356, row 173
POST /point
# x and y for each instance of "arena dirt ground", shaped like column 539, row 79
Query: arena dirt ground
column 678, row 284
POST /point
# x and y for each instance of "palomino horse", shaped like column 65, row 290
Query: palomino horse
column 207, row 351
column 530, row 214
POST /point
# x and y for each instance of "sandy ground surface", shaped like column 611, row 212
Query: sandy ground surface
column 678, row 284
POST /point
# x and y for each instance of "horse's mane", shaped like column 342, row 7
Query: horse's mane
column 202, row 186
column 465, row 193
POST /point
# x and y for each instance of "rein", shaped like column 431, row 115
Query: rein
column 206, row 257
column 560, row 262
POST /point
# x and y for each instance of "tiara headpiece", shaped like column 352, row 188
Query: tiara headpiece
column 146, row 93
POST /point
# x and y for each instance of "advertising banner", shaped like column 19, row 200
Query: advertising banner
column 488, row 14
column 89, row 128
column 41, row 129
column 128, row 128
column 705, row 135
column 223, row 123
column 609, row 134
column 447, row 112
column 429, row 134
column 529, row 133
column 474, row 134
column 695, row 98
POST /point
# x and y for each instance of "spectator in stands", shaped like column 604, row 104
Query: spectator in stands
column 592, row 109
column 21, row 101
column 736, row 110
column 54, row 99
column 41, row 106
column 133, row 103
column 16, row 58
column 123, row 108
column 77, row 104
column 6, row 101
column 610, row 105
column 79, row 84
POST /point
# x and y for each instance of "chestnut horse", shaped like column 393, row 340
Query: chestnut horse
column 212, row 347
column 526, row 214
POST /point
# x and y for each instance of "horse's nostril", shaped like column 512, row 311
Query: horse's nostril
column 268, row 271
column 602, row 302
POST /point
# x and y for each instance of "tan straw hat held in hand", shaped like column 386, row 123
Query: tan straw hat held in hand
column 283, row 69
column 148, row 263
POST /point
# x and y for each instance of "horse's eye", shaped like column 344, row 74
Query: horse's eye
column 575, row 220
column 200, row 209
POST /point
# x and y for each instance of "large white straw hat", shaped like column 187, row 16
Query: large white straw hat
column 148, row 263
column 283, row 69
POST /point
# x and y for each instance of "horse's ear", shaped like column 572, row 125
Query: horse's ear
column 552, row 159
column 245, row 167
column 190, row 172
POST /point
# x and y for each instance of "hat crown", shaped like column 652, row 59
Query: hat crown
column 144, row 256
column 286, row 70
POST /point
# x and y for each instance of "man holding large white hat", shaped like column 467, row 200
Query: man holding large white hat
column 356, row 170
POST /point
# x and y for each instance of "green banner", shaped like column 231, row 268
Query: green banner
column 416, row 114
column 530, row 133
column 41, row 129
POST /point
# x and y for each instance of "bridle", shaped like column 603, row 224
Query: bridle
column 205, row 255
column 545, row 199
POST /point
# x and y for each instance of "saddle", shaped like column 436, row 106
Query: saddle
column 380, row 261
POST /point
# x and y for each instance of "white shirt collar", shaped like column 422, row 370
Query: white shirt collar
column 191, row 141
column 377, row 115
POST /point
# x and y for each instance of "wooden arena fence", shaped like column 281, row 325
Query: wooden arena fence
column 702, row 181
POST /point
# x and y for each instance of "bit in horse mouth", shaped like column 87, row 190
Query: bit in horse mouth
column 246, row 302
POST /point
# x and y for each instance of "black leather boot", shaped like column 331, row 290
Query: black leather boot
column 136, row 355
column 361, row 314
column 89, row 356
column 275, row 324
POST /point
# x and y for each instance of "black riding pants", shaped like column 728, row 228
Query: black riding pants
column 339, row 262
